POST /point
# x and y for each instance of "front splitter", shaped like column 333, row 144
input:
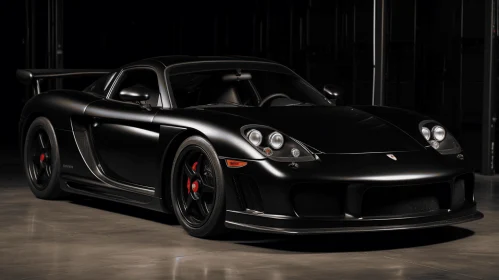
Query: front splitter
column 295, row 226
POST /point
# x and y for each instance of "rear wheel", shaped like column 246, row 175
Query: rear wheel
column 197, row 188
column 41, row 160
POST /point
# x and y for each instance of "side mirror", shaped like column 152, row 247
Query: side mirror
column 332, row 93
column 135, row 93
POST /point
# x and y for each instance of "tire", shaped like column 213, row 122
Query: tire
column 42, row 171
column 192, row 200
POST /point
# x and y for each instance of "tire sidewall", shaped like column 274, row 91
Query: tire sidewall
column 215, row 223
column 52, row 190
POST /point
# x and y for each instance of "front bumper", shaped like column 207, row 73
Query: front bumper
column 293, row 225
column 351, row 193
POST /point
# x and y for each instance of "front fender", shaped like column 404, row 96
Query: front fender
column 221, row 130
column 405, row 120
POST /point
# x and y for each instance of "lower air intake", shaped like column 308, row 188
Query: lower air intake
column 318, row 200
column 405, row 200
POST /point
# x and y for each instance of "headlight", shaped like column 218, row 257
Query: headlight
column 434, row 144
column 255, row 137
column 276, row 140
column 438, row 138
column 276, row 145
column 438, row 133
column 426, row 133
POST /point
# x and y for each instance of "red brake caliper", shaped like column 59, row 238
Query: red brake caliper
column 42, row 157
column 195, row 189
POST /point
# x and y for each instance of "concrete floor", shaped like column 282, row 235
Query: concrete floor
column 91, row 239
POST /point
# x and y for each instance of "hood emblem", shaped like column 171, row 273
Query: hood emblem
column 391, row 156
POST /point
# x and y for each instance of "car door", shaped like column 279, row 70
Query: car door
column 123, row 138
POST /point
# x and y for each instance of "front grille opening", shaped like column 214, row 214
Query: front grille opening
column 405, row 200
column 318, row 200
column 469, row 185
column 462, row 191
column 248, row 193
column 458, row 195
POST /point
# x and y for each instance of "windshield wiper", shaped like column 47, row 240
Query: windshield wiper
column 300, row 104
column 221, row 104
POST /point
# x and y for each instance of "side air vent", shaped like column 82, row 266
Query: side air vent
column 248, row 193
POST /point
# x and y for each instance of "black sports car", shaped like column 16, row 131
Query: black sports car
column 236, row 142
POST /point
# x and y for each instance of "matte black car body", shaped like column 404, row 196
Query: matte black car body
column 119, row 151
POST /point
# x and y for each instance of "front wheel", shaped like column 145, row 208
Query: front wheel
column 197, row 188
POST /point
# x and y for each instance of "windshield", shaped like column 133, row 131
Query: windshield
column 243, row 88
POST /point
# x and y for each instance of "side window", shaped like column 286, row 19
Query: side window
column 146, row 78
column 100, row 86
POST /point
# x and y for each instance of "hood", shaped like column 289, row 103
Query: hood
column 330, row 129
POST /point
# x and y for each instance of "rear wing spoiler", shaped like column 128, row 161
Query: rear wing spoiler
column 34, row 76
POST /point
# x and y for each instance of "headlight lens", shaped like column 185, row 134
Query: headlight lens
column 255, row 137
column 438, row 133
column 275, row 145
column 426, row 133
column 438, row 138
column 276, row 140
column 434, row 144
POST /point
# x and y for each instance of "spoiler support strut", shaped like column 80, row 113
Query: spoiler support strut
column 36, row 88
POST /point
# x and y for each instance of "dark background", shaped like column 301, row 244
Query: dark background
column 434, row 51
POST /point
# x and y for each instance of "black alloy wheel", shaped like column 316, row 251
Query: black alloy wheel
column 41, row 160
column 197, row 189
column 197, row 197
column 40, row 168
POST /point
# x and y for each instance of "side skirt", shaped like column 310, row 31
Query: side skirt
column 96, row 189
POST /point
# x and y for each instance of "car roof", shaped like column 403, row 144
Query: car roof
column 178, row 64
column 177, row 59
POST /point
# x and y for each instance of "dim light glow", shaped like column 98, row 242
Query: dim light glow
column 231, row 163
